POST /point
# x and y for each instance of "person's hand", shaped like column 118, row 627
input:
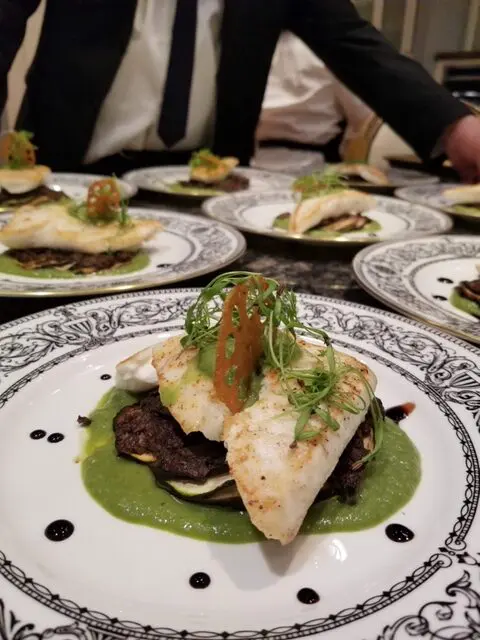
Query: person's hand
column 462, row 145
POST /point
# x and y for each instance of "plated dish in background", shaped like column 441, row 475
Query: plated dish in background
column 22, row 180
column 73, row 248
column 458, row 200
column 62, row 361
column 66, row 239
column 211, row 175
column 75, row 185
column 360, row 175
column 432, row 279
column 339, row 216
column 207, row 175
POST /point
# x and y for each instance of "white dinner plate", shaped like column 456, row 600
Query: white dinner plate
column 105, row 578
column 255, row 213
column 432, row 196
column 75, row 185
column 417, row 277
column 397, row 178
column 189, row 246
column 163, row 179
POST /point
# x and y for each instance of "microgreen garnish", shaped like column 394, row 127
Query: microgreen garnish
column 311, row 392
column 203, row 158
column 104, row 204
column 316, row 184
column 17, row 150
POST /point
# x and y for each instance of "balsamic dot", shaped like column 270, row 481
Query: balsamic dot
column 55, row 437
column 399, row 533
column 163, row 266
column 105, row 376
column 59, row 530
column 400, row 412
column 442, row 298
column 200, row 580
column 38, row 434
column 445, row 280
column 308, row 596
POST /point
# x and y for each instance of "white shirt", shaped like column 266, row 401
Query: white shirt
column 303, row 101
column 129, row 114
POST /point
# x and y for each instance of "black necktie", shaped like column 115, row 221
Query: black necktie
column 172, row 124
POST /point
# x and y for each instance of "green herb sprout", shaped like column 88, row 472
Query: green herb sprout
column 318, row 184
column 311, row 392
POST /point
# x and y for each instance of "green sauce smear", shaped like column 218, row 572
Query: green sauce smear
column 464, row 304
column 12, row 267
column 371, row 227
column 204, row 365
column 127, row 490
column 467, row 210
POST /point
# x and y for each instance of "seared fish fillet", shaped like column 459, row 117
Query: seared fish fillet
column 189, row 395
column 51, row 226
column 18, row 181
column 217, row 170
column 277, row 482
column 466, row 194
column 368, row 172
column 312, row 211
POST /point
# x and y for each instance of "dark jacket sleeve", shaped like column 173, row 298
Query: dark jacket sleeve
column 398, row 89
column 13, row 20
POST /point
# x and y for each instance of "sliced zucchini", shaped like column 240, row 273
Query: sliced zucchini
column 217, row 490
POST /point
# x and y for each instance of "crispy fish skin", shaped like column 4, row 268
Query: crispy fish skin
column 312, row 211
column 278, row 482
column 193, row 400
column 51, row 226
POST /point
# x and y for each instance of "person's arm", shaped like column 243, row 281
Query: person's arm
column 398, row 89
column 354, row 110
column 13, row 20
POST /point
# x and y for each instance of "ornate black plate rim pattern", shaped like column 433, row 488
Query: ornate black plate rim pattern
column 454, row 544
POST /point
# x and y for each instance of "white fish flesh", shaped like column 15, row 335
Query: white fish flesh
column 17, row 181
column 51, row 226
column 313, row 211
column 277, row 482
column 189, row 394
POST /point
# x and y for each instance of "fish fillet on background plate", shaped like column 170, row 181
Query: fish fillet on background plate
column 367, row 172
column 313, row 211
column 279, row 482
column 51, row 226
column 17, row 181
column 465, row 194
